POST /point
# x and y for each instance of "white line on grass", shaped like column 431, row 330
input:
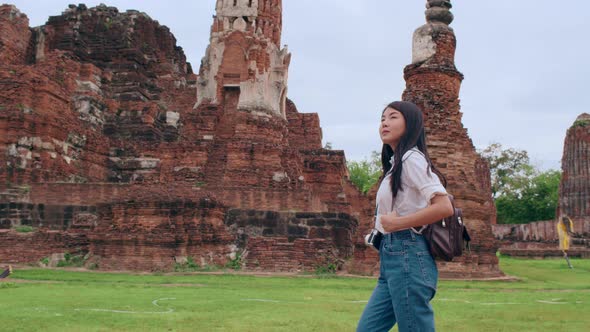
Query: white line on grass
column 451, row 300
column 469, row 302
column 307, row 299
column 154, row 302
column 552, row 301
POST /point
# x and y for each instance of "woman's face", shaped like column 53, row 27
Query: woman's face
column 393, row 127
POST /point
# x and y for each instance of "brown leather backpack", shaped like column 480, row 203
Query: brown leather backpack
column 448, row 237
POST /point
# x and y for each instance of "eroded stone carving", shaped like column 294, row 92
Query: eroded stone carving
column 244, row 53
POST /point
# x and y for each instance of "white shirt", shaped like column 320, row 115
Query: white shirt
column 418, row 188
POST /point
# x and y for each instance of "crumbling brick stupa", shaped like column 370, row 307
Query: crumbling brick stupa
column 433, row 83
column 111, row 147
column 574, row 189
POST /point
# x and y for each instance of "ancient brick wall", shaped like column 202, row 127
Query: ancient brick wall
column 304, row 128
column 324, row 172
column 33, row 246
column 50, row 217
column 153, row 235
column 365, row 260
column 59, row 108
column 292, row 241
column 45, row 134
column 14, row 40
column 540, row 239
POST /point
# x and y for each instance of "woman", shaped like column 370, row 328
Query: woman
column 410, row 195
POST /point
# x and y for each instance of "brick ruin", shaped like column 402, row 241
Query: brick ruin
column 433, row 83
column 113, row 148
column 540, row 239
column 574, row 189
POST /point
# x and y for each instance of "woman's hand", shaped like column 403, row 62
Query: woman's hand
column 388, row 221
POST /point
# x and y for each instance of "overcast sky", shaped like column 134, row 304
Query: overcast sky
column 525, row 63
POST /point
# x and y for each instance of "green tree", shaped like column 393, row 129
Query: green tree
column 521, row 192
column 534, row 201
column 510, row 169
column 365, row 173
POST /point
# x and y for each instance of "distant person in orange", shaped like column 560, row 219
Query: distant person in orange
column 565, row 228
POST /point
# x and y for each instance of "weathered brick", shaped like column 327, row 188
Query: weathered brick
column 100, row 117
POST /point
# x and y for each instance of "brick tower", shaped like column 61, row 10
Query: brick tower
column 433, row 83
column 244, row 64
column 574, row 190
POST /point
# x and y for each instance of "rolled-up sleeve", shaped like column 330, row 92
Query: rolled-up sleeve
column 415, row 174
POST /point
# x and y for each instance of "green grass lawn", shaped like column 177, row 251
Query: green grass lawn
column 549, row 297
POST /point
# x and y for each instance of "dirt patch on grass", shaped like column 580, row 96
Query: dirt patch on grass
column 180, row 285
column 24, row 281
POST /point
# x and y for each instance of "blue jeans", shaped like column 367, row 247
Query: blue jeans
column 407, row 283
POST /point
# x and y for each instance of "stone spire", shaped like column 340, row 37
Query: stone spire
column 244, row 57
column 435, row 41
column 438, row 11
column 433, row 83
column 574, row 190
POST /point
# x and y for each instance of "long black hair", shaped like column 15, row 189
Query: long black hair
column 415, row 136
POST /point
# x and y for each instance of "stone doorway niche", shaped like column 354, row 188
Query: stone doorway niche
column 231, row 97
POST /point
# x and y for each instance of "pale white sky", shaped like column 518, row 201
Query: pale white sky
column 525, row 63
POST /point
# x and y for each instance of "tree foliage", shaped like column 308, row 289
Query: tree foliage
column 365, row 173
column 510, row 169
column 536, row 200
column 521, row 192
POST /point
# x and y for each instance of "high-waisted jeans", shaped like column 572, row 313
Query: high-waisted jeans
column 407, row 283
